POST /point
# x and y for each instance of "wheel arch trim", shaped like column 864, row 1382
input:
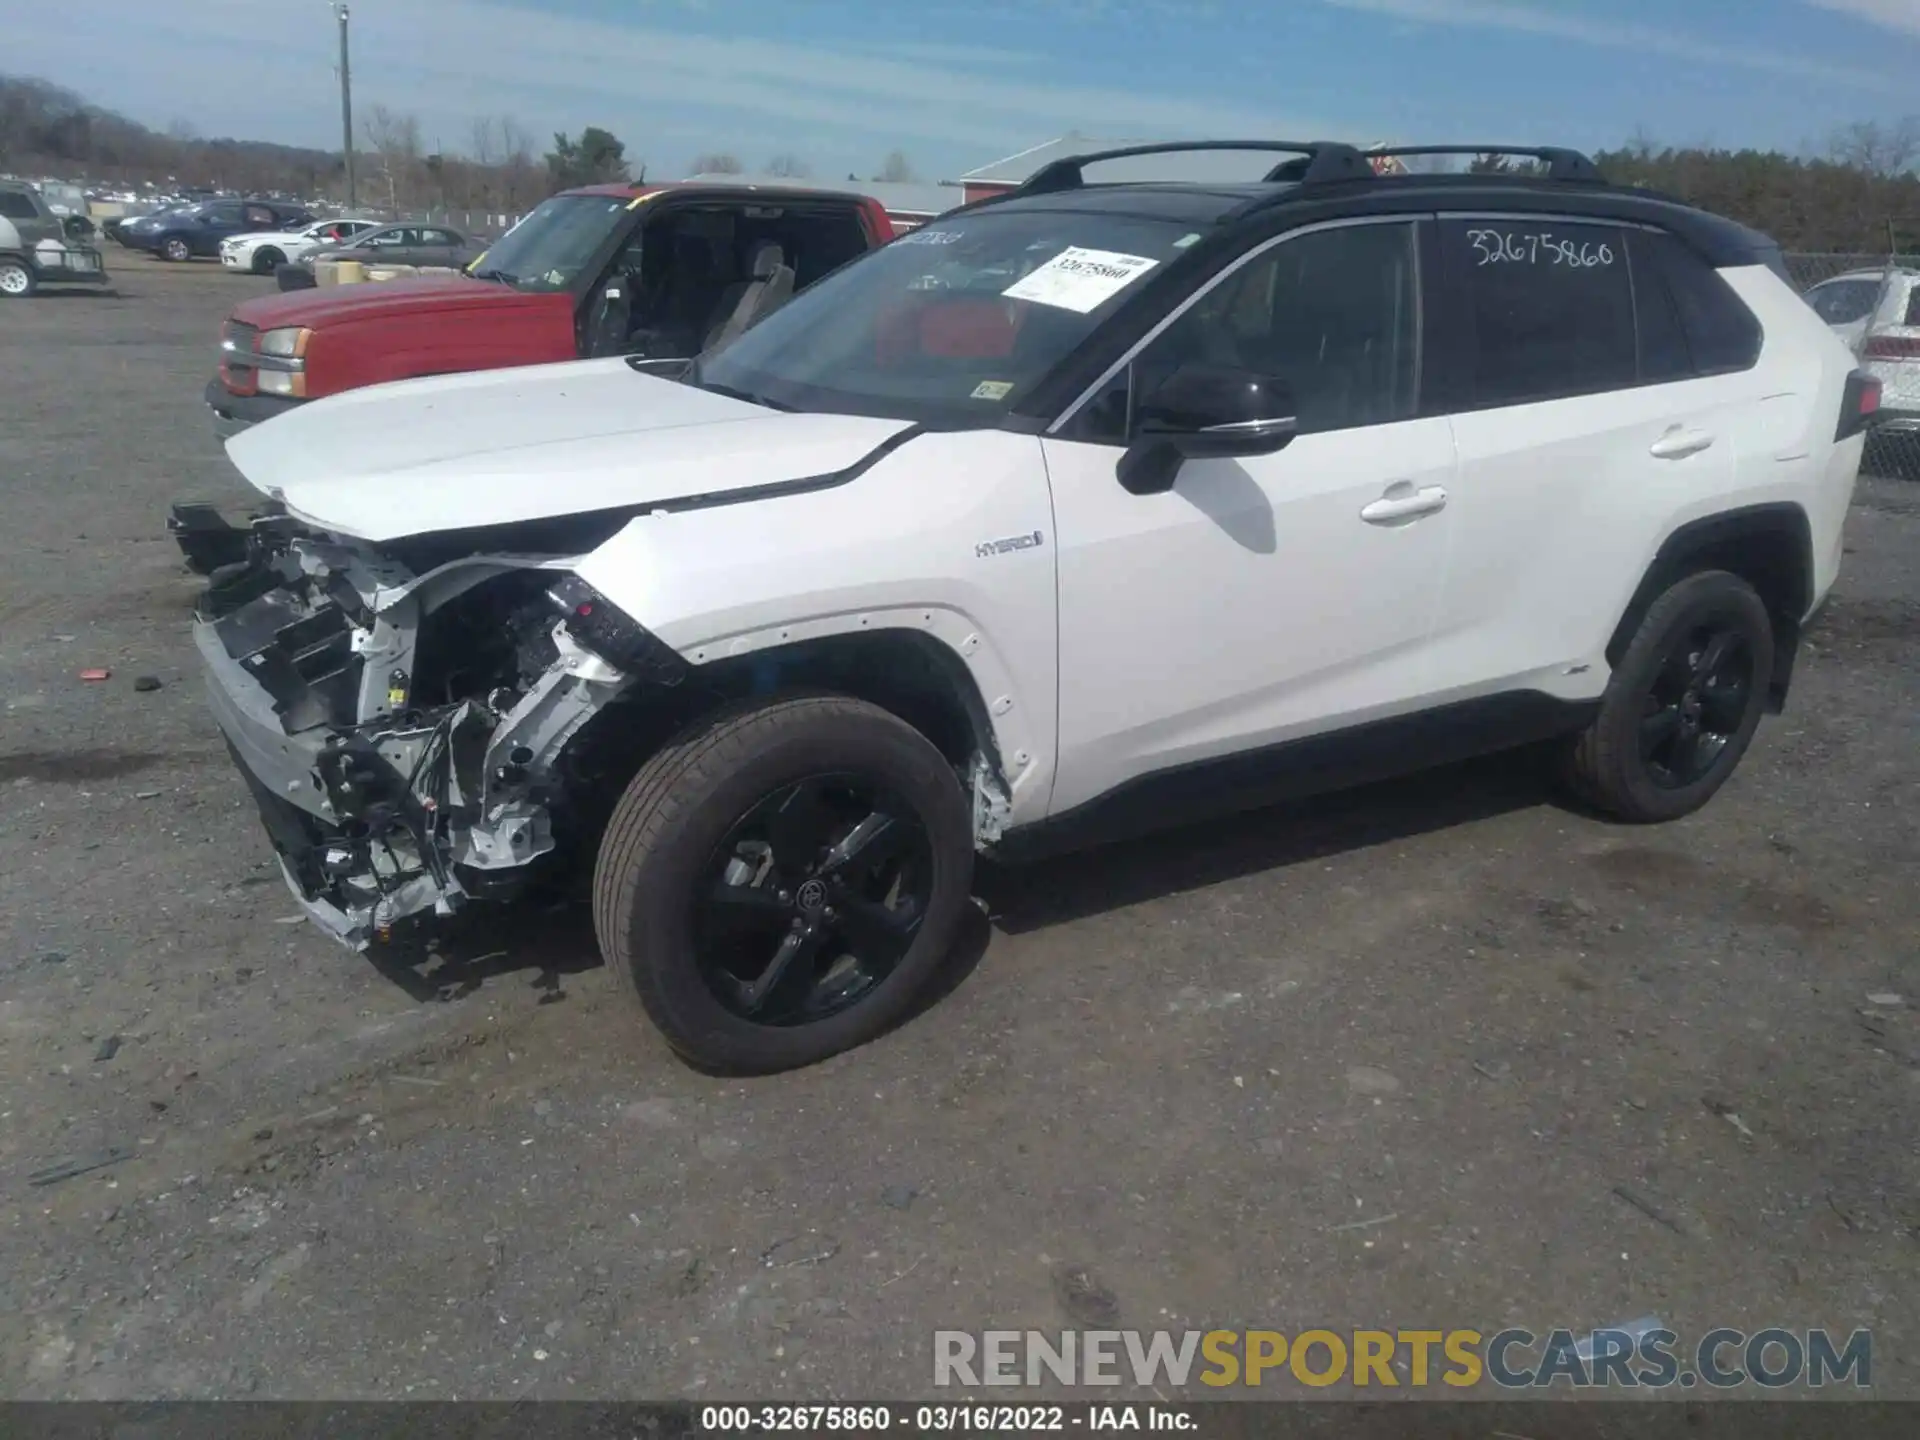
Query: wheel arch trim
column 962, row 651
column 1708, row 539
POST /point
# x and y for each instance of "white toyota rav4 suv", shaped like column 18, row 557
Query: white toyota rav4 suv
column 1081, row 510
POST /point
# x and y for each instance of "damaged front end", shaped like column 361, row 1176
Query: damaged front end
column 407, row 721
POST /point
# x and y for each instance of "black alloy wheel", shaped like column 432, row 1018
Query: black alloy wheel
column 1696, row 705
column 1682, row 704
column 785, row 880
column 812, row 900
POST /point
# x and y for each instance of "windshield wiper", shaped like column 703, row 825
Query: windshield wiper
column 692, row 377
column 502, row 276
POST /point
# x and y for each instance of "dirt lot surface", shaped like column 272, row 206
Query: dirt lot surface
column 1437, row 1054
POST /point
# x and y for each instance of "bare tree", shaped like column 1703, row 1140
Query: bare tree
column 718, row 163
column 789, row 166
column 1878, row 149
column 395, row 140
column 525, row 185
column 896, row 169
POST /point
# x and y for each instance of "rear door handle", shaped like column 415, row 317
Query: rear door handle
column 1677, row 444
column 1403, row 502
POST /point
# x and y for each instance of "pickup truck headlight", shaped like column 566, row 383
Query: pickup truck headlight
column 281, row 362
column 282, row 382
column 289, row 343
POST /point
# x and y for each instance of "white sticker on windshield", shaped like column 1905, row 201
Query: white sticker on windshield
column 929, row 237
column 1080, row 280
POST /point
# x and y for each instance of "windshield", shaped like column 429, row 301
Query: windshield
column 950, row 323
column 549, row 248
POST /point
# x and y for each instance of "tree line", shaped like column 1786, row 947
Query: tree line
column 1861, row 195
column 496, row 167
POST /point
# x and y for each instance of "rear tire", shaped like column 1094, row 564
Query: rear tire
column 266, row 259
column 17, row 280
column 693, row 930
column 175, row 249
column 1683, row 704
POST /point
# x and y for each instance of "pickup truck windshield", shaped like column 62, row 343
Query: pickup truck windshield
column 547, row 249
column 948, row 323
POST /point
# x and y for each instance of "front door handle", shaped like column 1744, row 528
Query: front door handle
column 1677, row 444
column 1403, row 502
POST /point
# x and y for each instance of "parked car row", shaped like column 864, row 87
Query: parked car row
column 403, row 244
column 1079, row 511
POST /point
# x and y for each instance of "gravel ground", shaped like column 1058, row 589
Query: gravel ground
column 1572, row 1074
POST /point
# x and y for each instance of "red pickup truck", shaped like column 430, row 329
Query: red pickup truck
column 656, row 272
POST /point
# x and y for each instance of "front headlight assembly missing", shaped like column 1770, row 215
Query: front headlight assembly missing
column 598, row 625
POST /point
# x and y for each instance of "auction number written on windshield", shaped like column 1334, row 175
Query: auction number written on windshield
column 1540, row 247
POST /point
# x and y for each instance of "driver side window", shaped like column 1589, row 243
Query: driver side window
column 1334, row 314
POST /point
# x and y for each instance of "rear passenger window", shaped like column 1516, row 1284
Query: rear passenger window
column 1721, row 332
column 16, row 206
column 1550, row 308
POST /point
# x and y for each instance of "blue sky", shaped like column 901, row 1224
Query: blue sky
column 954, row 85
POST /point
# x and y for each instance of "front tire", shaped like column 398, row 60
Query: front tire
column 783, row 881
column 17, row 280
column 265, row 259
column 175, row 249
column 1683, row 704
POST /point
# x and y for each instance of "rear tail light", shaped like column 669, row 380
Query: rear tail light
column 1858, row 406
column 1893, row 347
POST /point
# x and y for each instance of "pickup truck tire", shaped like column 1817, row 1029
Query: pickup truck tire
column 17, row 280
column 778, row 960
column 265, row 259
column 1683, row 704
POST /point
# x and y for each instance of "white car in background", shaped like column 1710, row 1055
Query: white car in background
column 262, row 254
column 1877, row 313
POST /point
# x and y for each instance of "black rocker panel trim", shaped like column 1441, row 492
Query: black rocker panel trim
column 1295, row 769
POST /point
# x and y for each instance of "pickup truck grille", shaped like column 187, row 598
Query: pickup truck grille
column 237, row 369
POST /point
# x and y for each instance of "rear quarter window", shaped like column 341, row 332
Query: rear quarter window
column 1722, row 333
column 16, row 206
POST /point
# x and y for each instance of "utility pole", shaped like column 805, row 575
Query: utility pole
column 346, row 104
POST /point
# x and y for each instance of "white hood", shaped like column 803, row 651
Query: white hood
column 502, row 446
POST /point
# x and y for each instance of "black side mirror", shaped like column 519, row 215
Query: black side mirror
column 607, row 331
column 1205, row 412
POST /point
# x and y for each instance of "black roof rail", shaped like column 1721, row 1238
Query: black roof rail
column 1317, row 161
column 1562, row 164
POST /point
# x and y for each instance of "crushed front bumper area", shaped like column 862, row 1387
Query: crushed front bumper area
column 380, row 809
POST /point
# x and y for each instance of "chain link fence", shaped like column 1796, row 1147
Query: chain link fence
column 1873, row 303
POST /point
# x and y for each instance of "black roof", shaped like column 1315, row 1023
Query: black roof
column 1338, row 181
